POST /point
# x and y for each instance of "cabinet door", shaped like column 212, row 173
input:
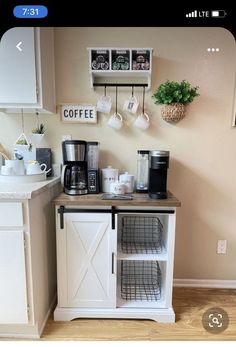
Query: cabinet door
column 18, row 67
column 13, row 294
column 86, row 250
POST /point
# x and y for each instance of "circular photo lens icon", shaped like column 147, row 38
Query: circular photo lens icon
column 215, row 320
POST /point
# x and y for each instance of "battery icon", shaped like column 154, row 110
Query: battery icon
column 218, row 13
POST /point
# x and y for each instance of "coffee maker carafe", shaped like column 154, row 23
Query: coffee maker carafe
column 74, row 173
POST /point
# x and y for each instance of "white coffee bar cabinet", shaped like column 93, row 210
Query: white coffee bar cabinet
column 115, row 257
column 27, row 257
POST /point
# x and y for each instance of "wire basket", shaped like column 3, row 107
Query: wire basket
column 140, row 280
column 141, row 234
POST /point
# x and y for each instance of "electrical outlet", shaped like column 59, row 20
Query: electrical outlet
column 221, row 246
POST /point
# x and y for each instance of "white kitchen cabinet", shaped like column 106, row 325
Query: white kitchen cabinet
column 27, row 70
column 137, row 262
column 9, row 210
column 27, row 259
column 86, row 249
column 13, row 293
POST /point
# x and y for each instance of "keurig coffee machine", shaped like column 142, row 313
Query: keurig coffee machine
column 158, row 165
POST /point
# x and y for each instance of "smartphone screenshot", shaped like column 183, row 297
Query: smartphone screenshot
column 117, row 173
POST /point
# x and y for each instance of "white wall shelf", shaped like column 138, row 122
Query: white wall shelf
column 120, row 66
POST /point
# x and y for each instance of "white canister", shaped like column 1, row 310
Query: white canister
column 109, row 175
column 117, row 188
column 128, row 180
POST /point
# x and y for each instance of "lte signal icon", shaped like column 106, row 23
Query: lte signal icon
column 192, row 14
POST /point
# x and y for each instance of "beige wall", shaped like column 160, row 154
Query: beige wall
column 202, row 146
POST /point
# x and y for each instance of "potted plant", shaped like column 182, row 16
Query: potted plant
column 38, row 133
column 174, row 96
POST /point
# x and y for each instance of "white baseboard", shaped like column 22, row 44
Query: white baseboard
column 204, row 283
column 52, row 306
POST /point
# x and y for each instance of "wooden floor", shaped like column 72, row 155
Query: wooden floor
column 189, row 305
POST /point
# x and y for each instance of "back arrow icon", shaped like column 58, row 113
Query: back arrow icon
column 18, row 46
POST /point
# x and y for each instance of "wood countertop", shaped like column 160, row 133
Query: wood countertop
column 96, row 200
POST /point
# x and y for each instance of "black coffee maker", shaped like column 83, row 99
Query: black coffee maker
column 74, row 173
column 158, row 165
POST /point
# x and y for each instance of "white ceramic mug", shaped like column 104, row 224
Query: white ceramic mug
column 104, row 104
column 142, row 121
column 117, row 188
column 6, row 171
column 36, row 168
column 131, row 105
column 18, row 166
column 115, row 121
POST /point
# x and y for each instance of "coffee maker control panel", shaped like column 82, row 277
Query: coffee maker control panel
column 93, row 182
column 93, row 170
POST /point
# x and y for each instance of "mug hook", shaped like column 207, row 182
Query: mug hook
column 105, row 90
column 116, row 98
column 143, row 97
column 132, row 91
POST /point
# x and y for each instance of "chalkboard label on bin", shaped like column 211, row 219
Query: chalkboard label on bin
column 141, row 59
column 120, row 59
column 99, row 59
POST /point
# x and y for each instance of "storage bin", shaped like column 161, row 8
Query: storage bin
column 141, row 234
column 141, row 59
column 120, row 59
column 100, row 59
column 140, row 280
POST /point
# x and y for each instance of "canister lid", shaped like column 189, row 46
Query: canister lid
column 141, row 151
column 160, row 153
column 93, row 143
column 109, row 168
column 126, row 174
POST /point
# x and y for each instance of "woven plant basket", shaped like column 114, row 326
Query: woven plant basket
column 173, row 112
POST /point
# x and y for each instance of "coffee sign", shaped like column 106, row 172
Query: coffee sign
column 78, row 114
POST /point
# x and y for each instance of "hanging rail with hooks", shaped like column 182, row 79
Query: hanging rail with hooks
column 120, row 85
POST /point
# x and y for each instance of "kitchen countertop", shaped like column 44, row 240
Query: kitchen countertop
column 26, row 190
column 96, row 200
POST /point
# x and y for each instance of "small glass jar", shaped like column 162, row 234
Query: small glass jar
column 142, row 171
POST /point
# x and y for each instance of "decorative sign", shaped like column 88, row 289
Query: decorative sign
column 78, row 114
column 141, row 59
column 120, row 59
column 100, row 59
